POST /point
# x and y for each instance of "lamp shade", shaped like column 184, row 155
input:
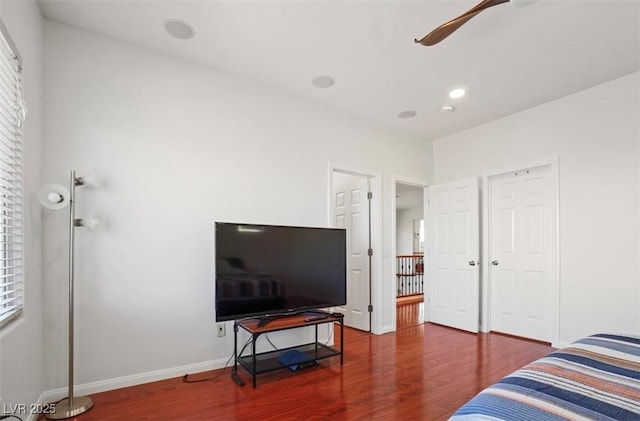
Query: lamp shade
column 54, row 196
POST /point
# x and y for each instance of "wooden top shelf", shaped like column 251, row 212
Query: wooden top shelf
column 288, row 322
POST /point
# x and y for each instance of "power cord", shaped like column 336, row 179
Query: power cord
column 51, row 405
column 4, row 417
column 185, row 378
column 331, row 331
column 271, row 343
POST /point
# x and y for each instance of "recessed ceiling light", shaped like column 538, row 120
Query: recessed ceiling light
column 179, row 29
column 457, row 93
column 323, row 81
column 447, row 108
column 407, row 114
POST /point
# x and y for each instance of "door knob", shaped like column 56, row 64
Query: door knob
column 495, row 263
column 472, row 262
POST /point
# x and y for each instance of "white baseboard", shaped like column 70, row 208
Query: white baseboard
column 126, row 381
column 560, row 344
column 385, row 329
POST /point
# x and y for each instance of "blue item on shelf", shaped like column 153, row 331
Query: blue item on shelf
column 296, row 360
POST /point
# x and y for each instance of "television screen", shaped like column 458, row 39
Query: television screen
column 269, row 269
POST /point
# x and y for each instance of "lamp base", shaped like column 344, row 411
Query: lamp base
column 67, row 409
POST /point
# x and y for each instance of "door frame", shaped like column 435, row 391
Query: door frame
column 375, row 184
column 485, row 217
column 395, row 179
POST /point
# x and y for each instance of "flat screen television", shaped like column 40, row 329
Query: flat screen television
column 275, row 270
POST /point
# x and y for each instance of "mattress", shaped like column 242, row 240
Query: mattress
column 594, row 378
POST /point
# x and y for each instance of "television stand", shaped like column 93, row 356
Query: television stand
column 258, row 363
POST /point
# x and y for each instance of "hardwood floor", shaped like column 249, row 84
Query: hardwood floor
column 409, row 313
column 423, row 371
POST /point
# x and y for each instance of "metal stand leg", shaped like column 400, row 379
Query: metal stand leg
column 341, row 341
column 253, row 353
column 234, row 372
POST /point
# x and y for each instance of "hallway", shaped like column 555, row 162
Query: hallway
column 409, row 311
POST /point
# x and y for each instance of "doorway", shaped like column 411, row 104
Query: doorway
column 409, row 259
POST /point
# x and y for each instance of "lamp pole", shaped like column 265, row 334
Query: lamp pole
column 71, row 406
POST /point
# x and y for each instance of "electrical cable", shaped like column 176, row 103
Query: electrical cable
column 185, row 378
column 269, row 340
column 6, row 416
column 331, row 331
column 52, row 405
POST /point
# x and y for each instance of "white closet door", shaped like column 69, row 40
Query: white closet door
column 351, row 211
column 521, row 232
column 453, row 260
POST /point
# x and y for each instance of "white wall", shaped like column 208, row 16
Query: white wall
column 404, row 229
column 595, row 135
column 21, row 350
column 179, row 146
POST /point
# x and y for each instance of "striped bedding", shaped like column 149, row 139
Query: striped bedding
column 594, row 378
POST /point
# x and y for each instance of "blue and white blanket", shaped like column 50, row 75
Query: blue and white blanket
column 595, row 378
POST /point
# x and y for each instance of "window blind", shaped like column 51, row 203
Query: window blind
column 12, row 114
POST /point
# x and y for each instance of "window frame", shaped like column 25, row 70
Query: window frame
column 12, row 113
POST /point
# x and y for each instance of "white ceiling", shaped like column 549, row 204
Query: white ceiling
column 509, row 58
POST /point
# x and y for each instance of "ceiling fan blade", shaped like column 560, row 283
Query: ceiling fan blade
column 446, row 29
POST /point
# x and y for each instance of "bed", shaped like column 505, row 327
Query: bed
column 594, row 378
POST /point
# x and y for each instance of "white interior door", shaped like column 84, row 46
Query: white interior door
column 351, row 211
column 521, row 231
column 453, row 287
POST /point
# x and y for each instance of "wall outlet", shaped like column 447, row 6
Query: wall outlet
column 222, row 331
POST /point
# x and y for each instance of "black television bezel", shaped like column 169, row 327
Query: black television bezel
column 291, row 311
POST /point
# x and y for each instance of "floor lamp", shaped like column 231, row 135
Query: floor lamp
column 55, row 197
